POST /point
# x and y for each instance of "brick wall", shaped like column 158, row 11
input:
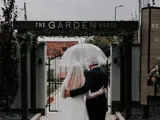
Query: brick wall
column 58, row 47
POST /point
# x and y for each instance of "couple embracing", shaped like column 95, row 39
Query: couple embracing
column 84, row 96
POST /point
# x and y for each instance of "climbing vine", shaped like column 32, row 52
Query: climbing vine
column 124, row 39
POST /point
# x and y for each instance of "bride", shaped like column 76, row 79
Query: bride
column 75, row 108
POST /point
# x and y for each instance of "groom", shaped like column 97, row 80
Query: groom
column 95, row 79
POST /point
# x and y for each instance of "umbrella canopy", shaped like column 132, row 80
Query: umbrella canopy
column 83, row 53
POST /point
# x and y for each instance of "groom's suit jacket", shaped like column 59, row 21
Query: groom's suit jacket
column 97, row 106
column 95, row 79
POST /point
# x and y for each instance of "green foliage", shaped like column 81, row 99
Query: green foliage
column 103, row 43
column 122, row 40
column 156, row 75
column 8, row 56
column 10, row 41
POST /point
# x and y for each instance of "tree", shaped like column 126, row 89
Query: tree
column 103, row 43
column 8, row 56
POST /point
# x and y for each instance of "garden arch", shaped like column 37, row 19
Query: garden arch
column 124, row 29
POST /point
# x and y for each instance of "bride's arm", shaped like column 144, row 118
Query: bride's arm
column 97, row 93
column 63, row 88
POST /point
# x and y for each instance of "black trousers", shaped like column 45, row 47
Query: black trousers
column 97, row 108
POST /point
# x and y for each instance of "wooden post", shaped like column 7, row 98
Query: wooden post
column 128, row 75
column 122, row 79
column 24, row 84
column 33, row 77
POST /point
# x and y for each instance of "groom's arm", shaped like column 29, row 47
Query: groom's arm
column 85, row 88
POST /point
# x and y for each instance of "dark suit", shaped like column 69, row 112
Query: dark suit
column 96, row 107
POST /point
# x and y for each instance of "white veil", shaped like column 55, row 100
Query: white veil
column 73, row 108
column 74, row 79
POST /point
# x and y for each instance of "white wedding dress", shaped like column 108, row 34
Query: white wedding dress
column 75, row 108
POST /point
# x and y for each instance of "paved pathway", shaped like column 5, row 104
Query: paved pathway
column 56, row 116
column 57, row 104
column 51, row 116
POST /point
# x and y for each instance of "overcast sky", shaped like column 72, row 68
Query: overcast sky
column 79, row 9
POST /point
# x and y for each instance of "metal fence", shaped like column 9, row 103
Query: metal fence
column 56, row 75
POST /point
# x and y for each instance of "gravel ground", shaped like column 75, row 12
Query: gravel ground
column 13, row 116
column 137, row 113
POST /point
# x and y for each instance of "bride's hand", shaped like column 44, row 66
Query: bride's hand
column 67, row 93
column 104, row 89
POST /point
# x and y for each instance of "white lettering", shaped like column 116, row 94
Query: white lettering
column 93, row 24
column 155, row 26
column 157, row 39
column 40, row 24
column 110, row 25
column 60, row 25
column 84, row 25
column 76, row 25
column 158, row 57
column 113, row 25
column 51, row 25
column 36, row 24
column 100, row 25
column 104, row 25
column 68, row 25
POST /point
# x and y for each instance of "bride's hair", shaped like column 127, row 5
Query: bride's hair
column 75, row 77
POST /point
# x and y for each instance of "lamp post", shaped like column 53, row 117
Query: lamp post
column 25, row 8
column 116, row 10
column 25, row 11
column 139, row 29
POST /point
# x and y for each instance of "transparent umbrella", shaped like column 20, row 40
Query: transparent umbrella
column 83, row 53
